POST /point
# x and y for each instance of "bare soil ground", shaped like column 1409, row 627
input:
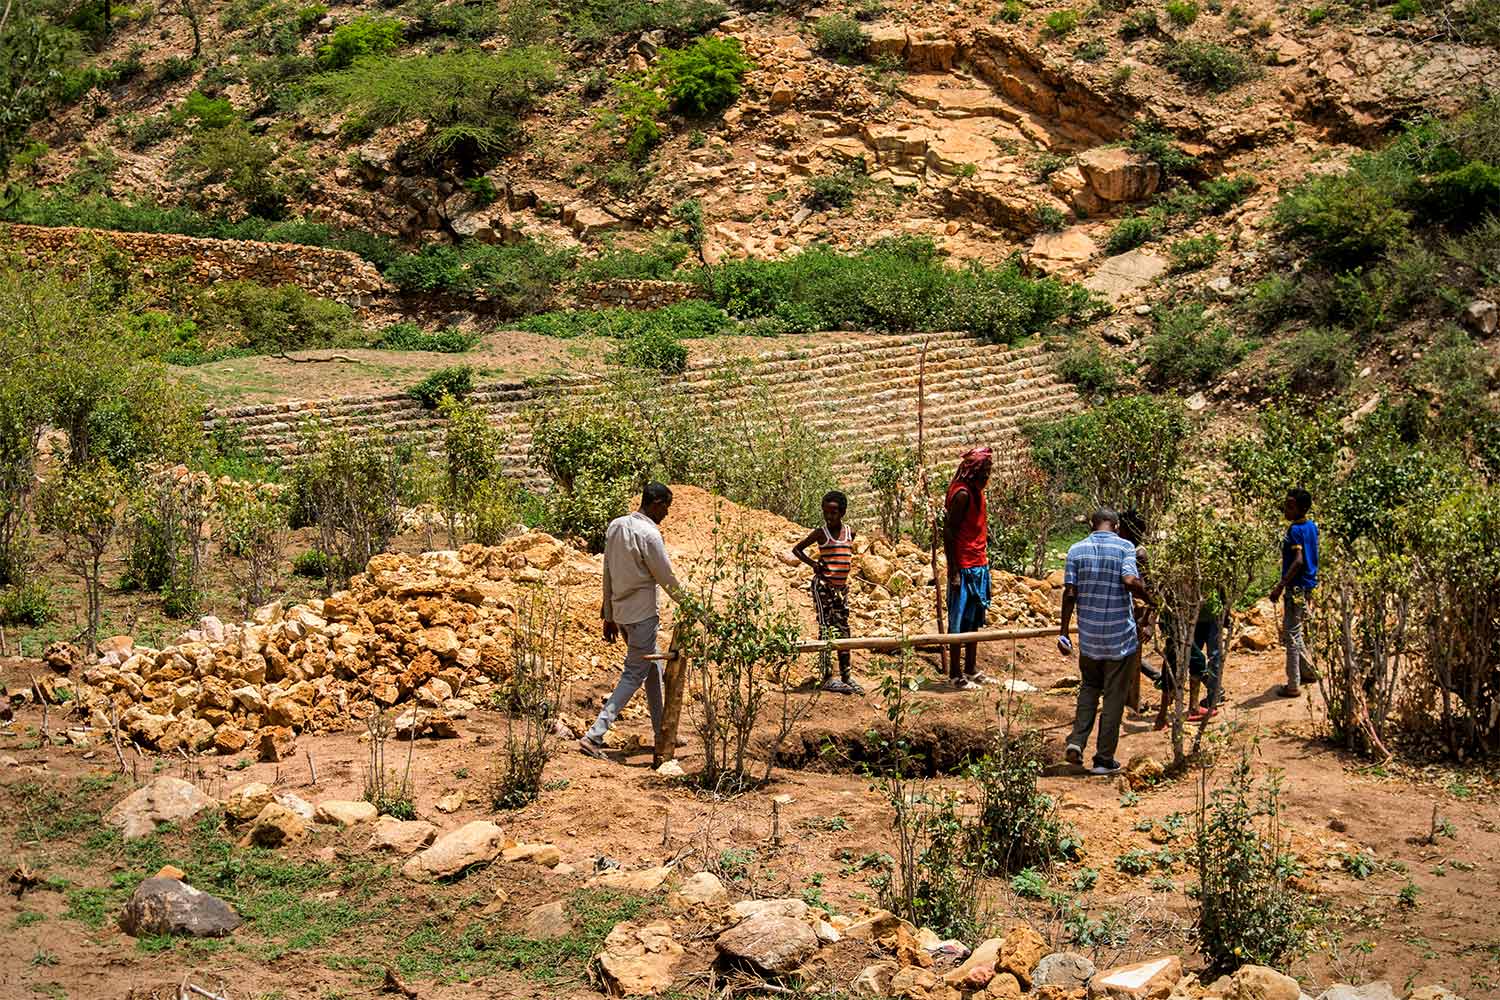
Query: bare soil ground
column 326, row 917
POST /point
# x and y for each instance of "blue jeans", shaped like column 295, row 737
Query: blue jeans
column 1205, row 656
column 969, row 599
column 640, row 642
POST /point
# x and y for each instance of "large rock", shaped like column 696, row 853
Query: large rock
column 276, row 826
column 472, row 844
column 1125, row 274
column 703, row 888
column 245, row 802
column 1116, row 174
column 1020, row 951
column 637, row 880
column 1434, row 992
column 770, row 943
column 1152, row 979
column 165, row 800
column 1064, row 969
column 875, row 980
column 638, row 960
column 1259, row 982
column 873, row 927
column 1058, row 251
column 794, row 908
column 340, row 812
column 168, row 906
column 1378, row 990
column 986, row 953
column 548, row 922
column 401, row 836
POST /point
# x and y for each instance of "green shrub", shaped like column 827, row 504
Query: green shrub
column 1017, row 826
column 597, row 460
column 26, row 604
column 1272, row 301
column 363, row 36
column 1160, row 147
column 1218, row 195
column 1248, row 911
column 411, row 337
column 482, row 189
column 1193, row 253
column 243, row 162
column 1060, row 22
column 840, row 37
column 1189, row 348
column 1208, row 64
column 519, row 278
column 1011, row 11
column 654, row 349
column 1342, row 221
column 174, row 68
column 1050, row 218
column 1461, row 196
column 266, row 320
column 830, row 191
column 1182, row 12
column 657, row 262
column 311, row 564
column 679, row 321
column 1314, row 362
column 469, row 101
column 1092, row 50
column 1405, row 10
column 599, row 22
column 456, row 382
column 1090, row 367
column 151, row 130
column 705, row 77
column 1138, row 24
column 1129, row 233
column 199, row 111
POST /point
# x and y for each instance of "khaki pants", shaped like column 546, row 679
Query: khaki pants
column 1108, row 680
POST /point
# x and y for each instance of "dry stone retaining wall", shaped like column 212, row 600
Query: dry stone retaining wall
column 331, row 274
column 860, row 396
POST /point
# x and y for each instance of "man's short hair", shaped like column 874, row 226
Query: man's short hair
column 1133, row 522
column 655, row 492
column 1102, row 515
column 837, row 496
column 1301, row 498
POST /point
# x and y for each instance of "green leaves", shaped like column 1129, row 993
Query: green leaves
column 704, row 78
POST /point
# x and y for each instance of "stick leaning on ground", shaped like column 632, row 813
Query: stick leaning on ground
column 890, row 642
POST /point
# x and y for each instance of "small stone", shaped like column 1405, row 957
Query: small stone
column 545, row 855
column 640, row 880
column 1066, row 969
column 548, row 922
column 703, row 888
column 1482, row 317
column 275, row 743
column 1149, row 980
column 450, row 803
column 875, row 980
column 171, row 871
column 161, row 906
column 345, row 813
column 639, row 960
column 879, row 924
column 245, row 802
column 1378, row 990
column 1020, row 952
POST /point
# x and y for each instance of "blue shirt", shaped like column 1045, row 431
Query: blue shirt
column 1305, row 534
column 1096, row 567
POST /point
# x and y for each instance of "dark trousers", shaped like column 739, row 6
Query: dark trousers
column 1109, row 680
column 1205, row 657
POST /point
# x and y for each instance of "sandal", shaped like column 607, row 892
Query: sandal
column 837, row 687
column 1288, row 691
column 854, row 686
column 1202, row 714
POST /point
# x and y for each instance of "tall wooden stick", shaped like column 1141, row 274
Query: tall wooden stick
column 926, row 482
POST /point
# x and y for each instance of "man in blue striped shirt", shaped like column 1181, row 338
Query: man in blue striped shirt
column 1099, row 580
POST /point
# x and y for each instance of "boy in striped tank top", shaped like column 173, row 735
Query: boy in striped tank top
column 830, row 586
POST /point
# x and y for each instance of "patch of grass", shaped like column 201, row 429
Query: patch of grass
column 1208, row 64
column 1193, row 253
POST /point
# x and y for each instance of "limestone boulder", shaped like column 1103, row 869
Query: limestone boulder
column 275, row 826
column 476, row 843
column 1064, row 969
column 875, row 980
column 704, row 889
column 170, row 906
column 638, row 959
column 245, row 802
column 548, row 922
column 164, row 800
column 770, row 943
column 1116, row 174
column 1152, row 979
column 1378, row 990
column 339, row 812
column 637, row 880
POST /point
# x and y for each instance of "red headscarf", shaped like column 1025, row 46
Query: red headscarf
column 974, row 462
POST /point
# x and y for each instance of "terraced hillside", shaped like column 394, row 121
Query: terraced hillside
column 861, row 398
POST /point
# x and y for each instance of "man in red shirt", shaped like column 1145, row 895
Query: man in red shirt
column 966, row 530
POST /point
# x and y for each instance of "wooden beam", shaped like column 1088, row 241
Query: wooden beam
column 892, row 642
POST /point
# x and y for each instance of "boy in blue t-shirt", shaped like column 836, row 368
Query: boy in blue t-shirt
column 1299, row 575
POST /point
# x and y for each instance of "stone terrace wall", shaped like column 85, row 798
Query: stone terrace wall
column 860, row 396
column 331, row 274
column 630, row 293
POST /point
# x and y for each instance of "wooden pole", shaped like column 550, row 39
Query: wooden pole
column 673, row 689
column 891, row 642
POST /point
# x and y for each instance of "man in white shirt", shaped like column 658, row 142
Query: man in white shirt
column 635, row 563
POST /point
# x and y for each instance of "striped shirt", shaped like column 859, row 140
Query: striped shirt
column 837, row 554
column 1096, row 567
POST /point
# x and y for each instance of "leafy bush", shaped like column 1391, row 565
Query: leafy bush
column 1314, row 361
column 840, row 37
column 199, row 111
column 1247, row 910
column 1124, row 453
column 519, row 278
column 830, row 191
column 469, row 101
column 657, row 262
column 1129, row 233
column 654, row 349
column 1182, row 12
column 1137, row 24
column 1018, row 826
column 1193, row 253
column 687, row 320
column 1219, row 194
column 598, row 22
column 1189, row 348
column 1341, row 221
column 456, row 382
column 1208, row 64
column 704, row 78
column 245, row 163
column 1160, row 147
column 26, row 604
column 363, row 36
column 1090, row 367
column 411, row 337
column 174, row 68
column 311, row 564
column 266, row 320
column 352, row 489
column 1060, row 22
column 598, row 461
